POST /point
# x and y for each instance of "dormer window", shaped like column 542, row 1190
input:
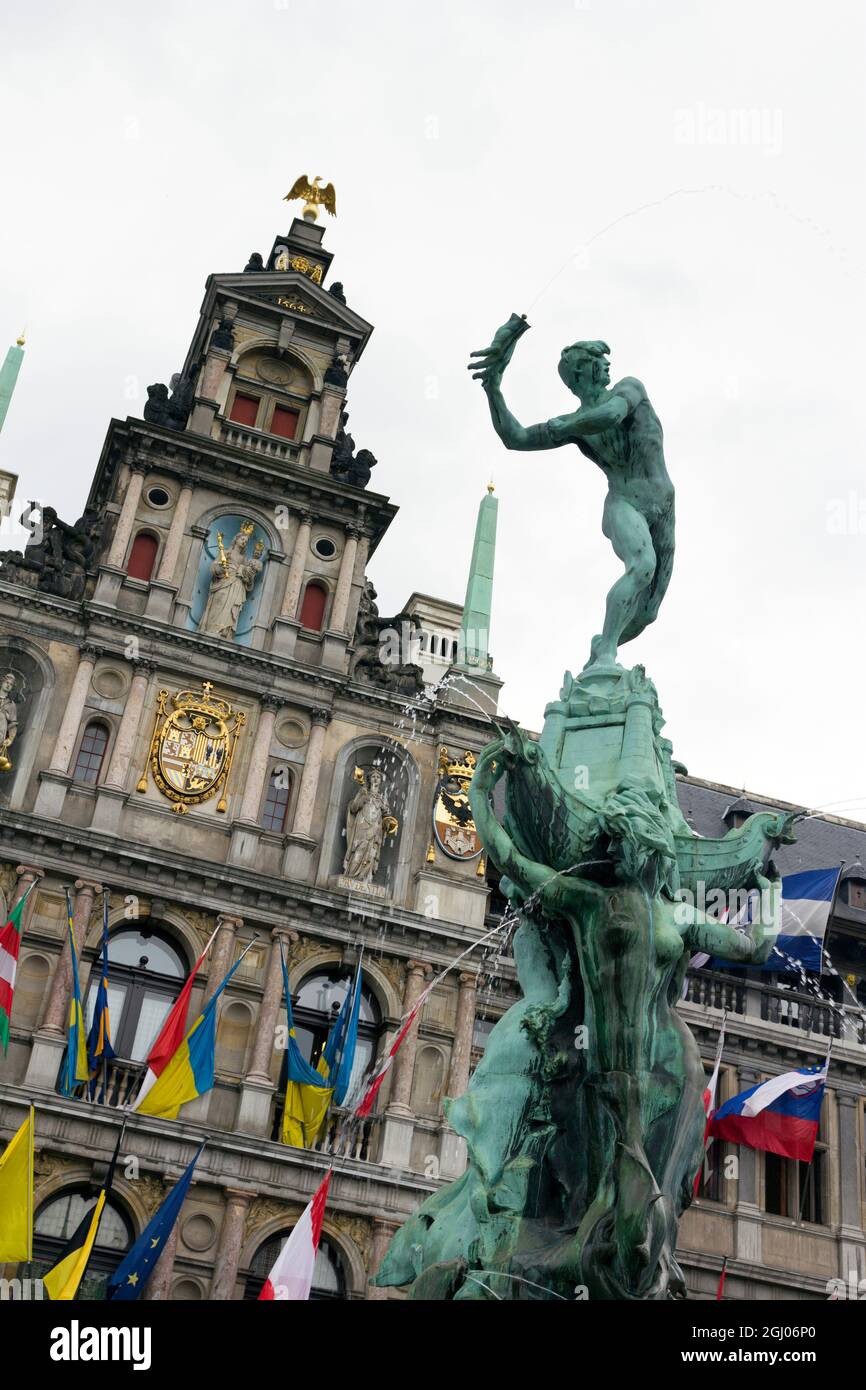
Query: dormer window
column 244, row 409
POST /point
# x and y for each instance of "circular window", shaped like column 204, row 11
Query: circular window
column 324, row 547
column 158, row 497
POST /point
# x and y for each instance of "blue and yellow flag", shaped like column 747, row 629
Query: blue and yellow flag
column 129, row 1280
column 76, row 1068
column 307, row 1098
column 191, row 1070
column 99, row 1049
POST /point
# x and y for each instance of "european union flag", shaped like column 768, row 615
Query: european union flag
column 131, row 1276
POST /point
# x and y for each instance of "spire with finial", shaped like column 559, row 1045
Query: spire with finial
column 9, row 375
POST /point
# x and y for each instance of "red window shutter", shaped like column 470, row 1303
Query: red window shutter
column 284, row 421
column 244, row 409
column 313, row 607
column 142, row 556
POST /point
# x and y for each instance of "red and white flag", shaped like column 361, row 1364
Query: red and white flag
column 366, row 1104
column 292, row 1275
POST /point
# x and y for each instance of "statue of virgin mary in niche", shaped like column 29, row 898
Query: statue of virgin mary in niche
column 233, row 575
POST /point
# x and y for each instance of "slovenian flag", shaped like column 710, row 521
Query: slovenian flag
column 291, row 1277
column 780, row 1116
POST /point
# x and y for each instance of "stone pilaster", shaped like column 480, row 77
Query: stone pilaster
column 286, row 624
column 50, row 1039
column 112, row 794
column 383, row 1232
column 222, row 956
column 452, row 1153
column 229, row 1250
column 258, row 1088
column 399, row 1119
column 55, row 779
column 301, row 845
column 163, row 587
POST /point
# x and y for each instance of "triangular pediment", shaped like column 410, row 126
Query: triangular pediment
column 293, row 293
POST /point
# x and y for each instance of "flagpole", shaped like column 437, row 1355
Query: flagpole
column 106, row 1189
column 812, row 1159
column 106, row 894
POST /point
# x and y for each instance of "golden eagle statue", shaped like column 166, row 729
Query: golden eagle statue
column 313, row 196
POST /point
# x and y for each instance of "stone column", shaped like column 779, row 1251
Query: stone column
column 126, row 520
column 340, row 606
column 297, row 566
column 168, row 563
column 222, row 956
column 452, row 1148
column 130, row 723
column 28, row 874
column 383, row 1231
column 56, row 1012
column 229, row 1250
column 269, row 704
column 404, row 1063
column 399, row 1126
column 301, row 846
column 258, row 1088
column 461, row 1052
column 285, row 629
column 68, row 732
column 159, row 1284
column 321, row 718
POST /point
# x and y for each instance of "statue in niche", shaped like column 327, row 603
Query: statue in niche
column 368, row 821
column 233, row 575
column 12, row 692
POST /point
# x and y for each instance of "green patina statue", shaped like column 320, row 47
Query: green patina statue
column 618, row 429
column 584, row 1120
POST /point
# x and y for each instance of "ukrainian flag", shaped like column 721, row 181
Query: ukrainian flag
column 191, row 1070
column 76, row 1067
column 307, row 1097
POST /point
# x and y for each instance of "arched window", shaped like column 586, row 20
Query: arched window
column 58, row 1219
column 29, row 990
column 146, row 972
column 91, row 753
column 276, row 803
column 428, row 1082
column 329, row 1275
column 142, row 556
column 233, row 1036
column 313, row 606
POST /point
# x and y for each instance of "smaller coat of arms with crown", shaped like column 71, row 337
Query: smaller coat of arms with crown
column 453, row 825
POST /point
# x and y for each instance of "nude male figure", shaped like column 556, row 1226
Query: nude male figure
column 618, row 429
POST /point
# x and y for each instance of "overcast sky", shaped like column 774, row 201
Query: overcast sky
column 683, row 180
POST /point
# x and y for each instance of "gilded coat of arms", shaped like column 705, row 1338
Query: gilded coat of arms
column 453, row 825
column 192, row 747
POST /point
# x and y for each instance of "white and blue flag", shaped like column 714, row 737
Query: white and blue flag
column 806, row 901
